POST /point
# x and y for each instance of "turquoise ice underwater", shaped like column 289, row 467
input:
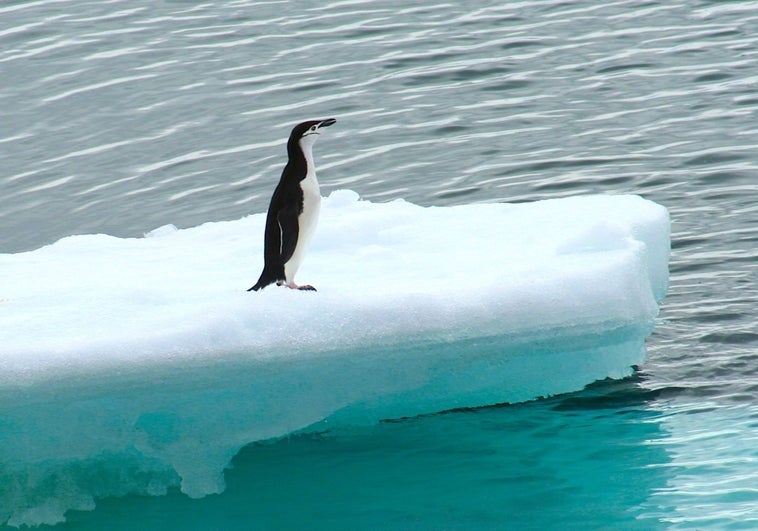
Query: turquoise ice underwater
column 121, row 120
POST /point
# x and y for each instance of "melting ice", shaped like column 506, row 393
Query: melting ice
column 132, row 365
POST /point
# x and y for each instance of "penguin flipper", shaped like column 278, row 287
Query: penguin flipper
column 273, row 270
column 289, row 229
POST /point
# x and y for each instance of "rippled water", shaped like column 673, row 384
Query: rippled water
column 119, row 117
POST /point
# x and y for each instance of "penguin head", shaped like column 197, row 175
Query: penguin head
column 306, row 133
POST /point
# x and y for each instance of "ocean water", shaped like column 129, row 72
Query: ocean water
column 119, row 117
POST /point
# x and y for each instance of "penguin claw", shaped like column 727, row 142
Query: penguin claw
column 307, row 288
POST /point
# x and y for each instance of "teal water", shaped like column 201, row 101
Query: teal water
column 563, row 463
column 121, row 117
column 616, row 456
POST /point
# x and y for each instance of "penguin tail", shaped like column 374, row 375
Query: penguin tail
column 265, row 279
column 259, row 285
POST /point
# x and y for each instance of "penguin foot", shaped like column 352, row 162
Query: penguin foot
column 306, row 288
column 292, row 285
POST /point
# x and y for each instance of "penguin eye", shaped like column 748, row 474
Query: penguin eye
column 313, row 128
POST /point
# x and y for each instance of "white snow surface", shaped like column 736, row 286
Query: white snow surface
column 131, row 365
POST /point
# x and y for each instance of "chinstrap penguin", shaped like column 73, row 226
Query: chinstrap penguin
column 293, row 211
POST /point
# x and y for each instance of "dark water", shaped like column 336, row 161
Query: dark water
column 119, row 117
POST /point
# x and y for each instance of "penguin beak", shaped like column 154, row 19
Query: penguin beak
column 327, row 122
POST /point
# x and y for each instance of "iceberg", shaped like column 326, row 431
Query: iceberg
column 131, row 365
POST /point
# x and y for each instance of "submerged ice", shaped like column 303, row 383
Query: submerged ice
column 133, row 365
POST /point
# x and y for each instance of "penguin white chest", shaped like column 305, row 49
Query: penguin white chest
column 307, row 221
column 311, row 204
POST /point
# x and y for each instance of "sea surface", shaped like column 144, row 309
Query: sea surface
column 121, row 116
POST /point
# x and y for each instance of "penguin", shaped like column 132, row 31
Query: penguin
column 293, row 211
